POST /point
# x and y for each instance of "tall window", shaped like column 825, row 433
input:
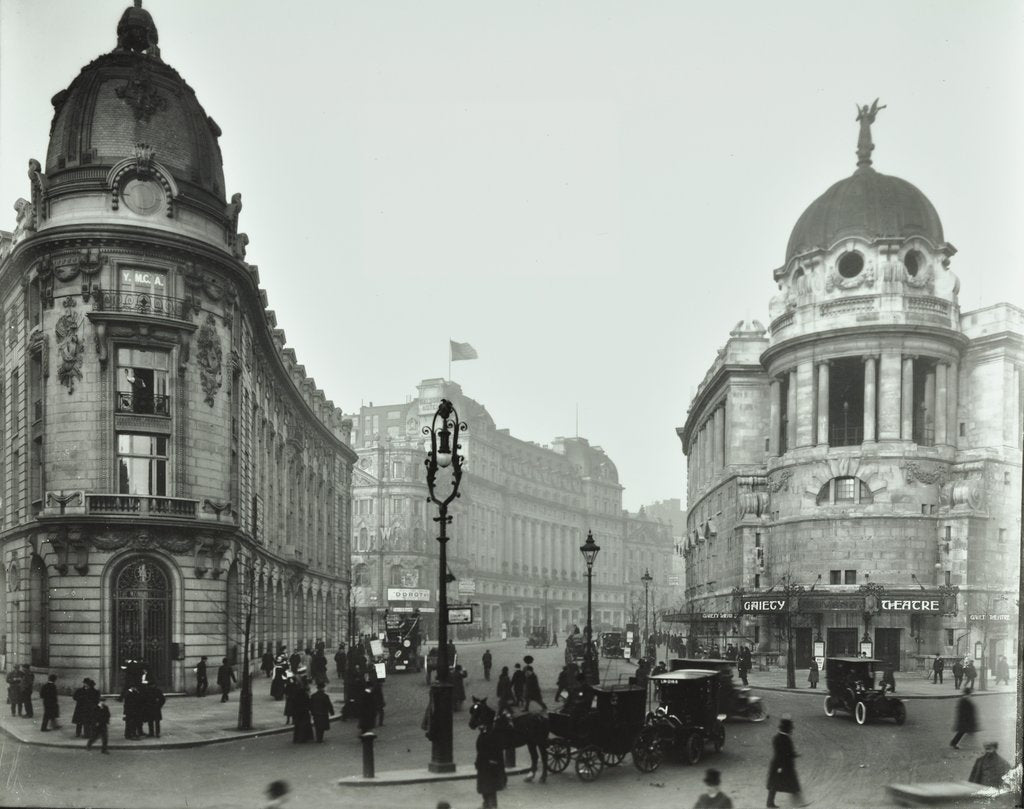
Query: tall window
column 142, row 381
column 142, row 464
column 360, row 576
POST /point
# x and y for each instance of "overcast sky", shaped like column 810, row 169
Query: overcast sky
column 591, row 193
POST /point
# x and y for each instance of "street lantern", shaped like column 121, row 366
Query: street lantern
column 590, row 549
column 443, row 452
column 647, row 578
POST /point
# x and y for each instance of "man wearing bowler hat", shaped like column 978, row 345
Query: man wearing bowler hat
column 782, row 770
column 713, row 798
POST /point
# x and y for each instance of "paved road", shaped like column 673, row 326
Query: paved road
column 841, row 763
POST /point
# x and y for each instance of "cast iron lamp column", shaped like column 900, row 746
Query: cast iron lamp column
column 647, row 578
column 443, row 452
column 589, row 550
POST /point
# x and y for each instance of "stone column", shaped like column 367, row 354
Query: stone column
column 823, row 379
column 726, row 432
column 952, row 403
column 907, row 400
column 869, row 399
column 791, row 412
column 889, row 382
column 941, row 404
column 805, row 404
column 929, row 406
column 775, row 414
column 719, row 437
column 1012, row 406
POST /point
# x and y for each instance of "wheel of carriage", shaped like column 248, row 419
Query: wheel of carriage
column 860, row 713
column 830, row 707
column 718, row 736
column 648, row 752
column 588, row 763
column 900, row 713
column 756, row 712
column 693, row 748
column 559, row 755
column 612, row 759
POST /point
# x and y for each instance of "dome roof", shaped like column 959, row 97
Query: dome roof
column 866, row 204
column 128, row 97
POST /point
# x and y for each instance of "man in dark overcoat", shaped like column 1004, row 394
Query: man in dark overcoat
column 153, row 700
column 488, row 661
column 86, row 699
column 51, row 709
column 490, row 770
column 958, row 673
column 321, row 709
column 267, row 663
column 14, row 690
column 966, row 719
column 133, row 708
column 989, row 769
column 518, row 684
column 28, row 680
column 743, row 663
column 937, row 668
column 970, row 673
column 782, row 770
column 101, row 721
column 202, row 680
column 340, row 660
column 367, row 710
column 302, row 730
column 225, row 677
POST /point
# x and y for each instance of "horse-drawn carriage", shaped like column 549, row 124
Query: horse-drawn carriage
column 576, row 648
column 597, row 735
column 538, row 637
column 687, row 718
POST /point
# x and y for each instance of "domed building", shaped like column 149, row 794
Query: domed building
column 169, row 470
column 854, row 470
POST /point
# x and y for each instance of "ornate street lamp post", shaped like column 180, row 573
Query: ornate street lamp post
column 443, row 452
column 647, row 578
column 589, row 550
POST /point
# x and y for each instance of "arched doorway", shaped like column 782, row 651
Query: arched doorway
column 141, row 621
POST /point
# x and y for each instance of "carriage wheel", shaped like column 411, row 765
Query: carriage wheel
column 648, row 752
column 718, row 736
column 559, row 755
column 612, row 759
column 830, row 707
column 589, row 763
column 900, row 714
column 693, row 748
column 756, row 712
column 860, row 713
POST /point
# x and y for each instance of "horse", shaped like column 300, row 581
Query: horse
column 514, row 731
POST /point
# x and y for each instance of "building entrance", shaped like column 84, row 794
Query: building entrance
column 142, row 620
column 802, row 648
column 842, row 642
column 887, row 646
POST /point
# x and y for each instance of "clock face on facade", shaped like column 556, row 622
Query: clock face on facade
column 144, row 197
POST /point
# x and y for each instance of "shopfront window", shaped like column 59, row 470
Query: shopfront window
column 142, row 464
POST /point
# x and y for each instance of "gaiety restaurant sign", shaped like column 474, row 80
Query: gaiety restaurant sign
column 927, row 605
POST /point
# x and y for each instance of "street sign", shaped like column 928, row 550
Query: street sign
column 460, row 615
column 408, row 594
column 467, row 586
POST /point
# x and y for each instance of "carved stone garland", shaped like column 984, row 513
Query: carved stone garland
column 211, row 359
column 70, row 345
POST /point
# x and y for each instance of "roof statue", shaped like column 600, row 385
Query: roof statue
column 137, row 32
column 866, row 117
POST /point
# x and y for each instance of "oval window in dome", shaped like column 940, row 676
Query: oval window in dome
column 912, row 261
column 850, row 264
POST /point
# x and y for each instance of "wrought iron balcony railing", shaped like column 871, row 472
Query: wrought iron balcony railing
column 142, row 303
column 845, row 436
column 141, row 505
column 146, row 403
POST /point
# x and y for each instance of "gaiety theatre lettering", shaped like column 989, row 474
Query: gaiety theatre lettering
column 911, row 605
column 766, row 605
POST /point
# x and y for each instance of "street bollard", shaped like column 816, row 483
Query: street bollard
column 367, row 740
column 510, row 757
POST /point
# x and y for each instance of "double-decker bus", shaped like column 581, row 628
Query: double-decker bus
column 402, row 640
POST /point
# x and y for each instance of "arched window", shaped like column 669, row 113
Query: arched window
column 844, row 491
column 39, row 613
column 363, row 542
column 395, row 576
column 360, row 576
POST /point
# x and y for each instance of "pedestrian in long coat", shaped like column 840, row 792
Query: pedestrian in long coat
column 504, row 689
column 743, row 664
column 958, row 673
column 458, row 677
column 133, row 713
column 966, row 718
column 51, row 708
column 101, row 720
column 202, row 680
column 937, row 668
column 490, row 770
column 488, row 661
column 86, row 699
column 989, row 769
column 1003, row 670
column 367, row 710
column 339, row 660
column 518, row 684
column 225, row 677
column 782, row 770
column 267, row 663
column 279, row 683
column 531, row 689
column 303, row 730
column 321, row 709
column 377, row 688
column 318, row 667
column 970, row 673
column 28, row 680
column 14, row 690
column 812, row 674
column 153, row 699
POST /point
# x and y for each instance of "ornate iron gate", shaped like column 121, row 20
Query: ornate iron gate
column 142, row 619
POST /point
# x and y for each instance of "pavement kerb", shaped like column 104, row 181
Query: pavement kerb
column 816, row 692
column 408, row 777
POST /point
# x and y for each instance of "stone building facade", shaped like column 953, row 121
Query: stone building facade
column 168, row 466
column 866, row 447
column 523, row 513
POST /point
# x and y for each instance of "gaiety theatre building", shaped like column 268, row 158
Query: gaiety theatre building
column 854, row 470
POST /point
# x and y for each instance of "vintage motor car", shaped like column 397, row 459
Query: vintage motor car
column 851, row 688
column 613, row 643
column 736, row 701
column 538, row 637
column 686, row 720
